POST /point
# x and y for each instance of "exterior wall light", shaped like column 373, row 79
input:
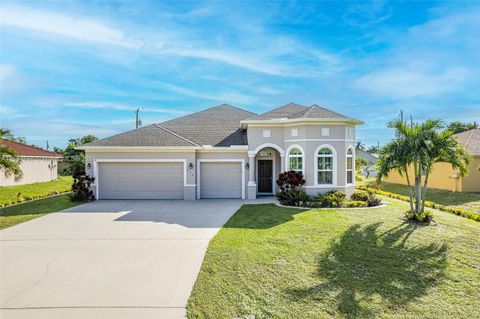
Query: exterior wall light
column 89, row 165
column 247, row 166
column 190, row 166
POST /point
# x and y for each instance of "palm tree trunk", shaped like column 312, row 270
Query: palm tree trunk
column 424, row 191
column 418, row 183
column 409, row 190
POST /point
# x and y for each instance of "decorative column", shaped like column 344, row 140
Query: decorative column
column 252, row 185
column 282, row 162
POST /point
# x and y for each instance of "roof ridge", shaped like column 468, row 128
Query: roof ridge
column 176, row 134
column 341, row 114
column 208, row 109
column 469, row 138
column 32, row 146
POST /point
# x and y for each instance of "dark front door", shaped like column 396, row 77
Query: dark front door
column 265, row 176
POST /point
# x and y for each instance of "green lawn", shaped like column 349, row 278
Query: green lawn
column 20, row 213
column 9, row 193
column 272, row 262
column 468, row 201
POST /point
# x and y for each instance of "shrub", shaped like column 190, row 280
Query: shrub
column 81, row 188
column 373, row 200
column 290, row 180
column 424, row 217
column 332, row 198
column 293, row 197
column 359, row 196
column 453, row 210
column 354, row 203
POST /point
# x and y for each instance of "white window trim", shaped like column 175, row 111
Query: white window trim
column 97, row 161
column 335, row 166
column 350, row 147
column 287, row 158
column 242, row 164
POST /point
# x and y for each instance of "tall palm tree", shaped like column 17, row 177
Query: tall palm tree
column 419, row 146
column 9, row 160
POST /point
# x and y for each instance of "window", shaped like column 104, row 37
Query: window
column 325, row 131
column 266, row 133
column 349, row 131
column 350, row 175
column 295, row 160
column 294, row 131
column 325, row 166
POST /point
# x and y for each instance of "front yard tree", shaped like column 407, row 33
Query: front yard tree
column 76, row 158
column 9, row 160
column 416, row 148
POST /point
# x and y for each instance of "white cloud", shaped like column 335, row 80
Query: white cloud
column 408, row 82
column 8, row 113
column 7, row 71
column 68, row 26
column 226, row 97
column 121, row 107
column 265, row 57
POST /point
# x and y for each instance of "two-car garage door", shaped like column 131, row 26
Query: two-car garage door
column 142, row 180
column 165, row 180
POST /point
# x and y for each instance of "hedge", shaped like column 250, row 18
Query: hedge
column 22, row 199
column 453, row 210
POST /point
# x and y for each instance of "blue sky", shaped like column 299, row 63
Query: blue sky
column 75, row 68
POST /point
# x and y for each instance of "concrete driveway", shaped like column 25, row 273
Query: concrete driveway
column 108, row 259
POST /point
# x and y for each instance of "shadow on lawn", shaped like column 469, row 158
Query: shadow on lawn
column 366, row 263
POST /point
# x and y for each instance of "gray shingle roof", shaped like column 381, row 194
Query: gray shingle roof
column 151, row 135
column 470, row 140
column 216, row 126
column 297, row 111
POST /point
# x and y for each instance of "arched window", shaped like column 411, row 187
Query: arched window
column 325, row 166
column 295, row 160
column 350, row 168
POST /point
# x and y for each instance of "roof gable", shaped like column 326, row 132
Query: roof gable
column 216, row 126
column 470, row 140
column 293, row 111
column 27, row 150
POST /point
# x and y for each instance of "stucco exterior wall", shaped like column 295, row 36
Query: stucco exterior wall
column 442, row 177
column 35, row 170
column 309, row 139
column 471, row 182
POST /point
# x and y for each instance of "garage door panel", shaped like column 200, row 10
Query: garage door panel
column 140, row 180
column 220, row 180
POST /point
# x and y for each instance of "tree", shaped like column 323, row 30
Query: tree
column 9, row 159
column 76, row 158
column 459, row 127
column 373, row 149
column 418, row 147
column 359, row 146
column 360, row 164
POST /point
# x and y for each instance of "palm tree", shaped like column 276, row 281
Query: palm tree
column 9, row 160
column 418, row 146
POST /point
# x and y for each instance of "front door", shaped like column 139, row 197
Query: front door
column 265, row 176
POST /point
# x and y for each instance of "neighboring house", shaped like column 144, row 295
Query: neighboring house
column 226, row 152
column 372, row 159
column 444, row 177
column 37, row 164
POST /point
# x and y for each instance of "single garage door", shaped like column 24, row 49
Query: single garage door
column 140, row 180
column 220, row 180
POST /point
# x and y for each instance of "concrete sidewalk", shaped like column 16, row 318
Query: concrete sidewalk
column 109, row 259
